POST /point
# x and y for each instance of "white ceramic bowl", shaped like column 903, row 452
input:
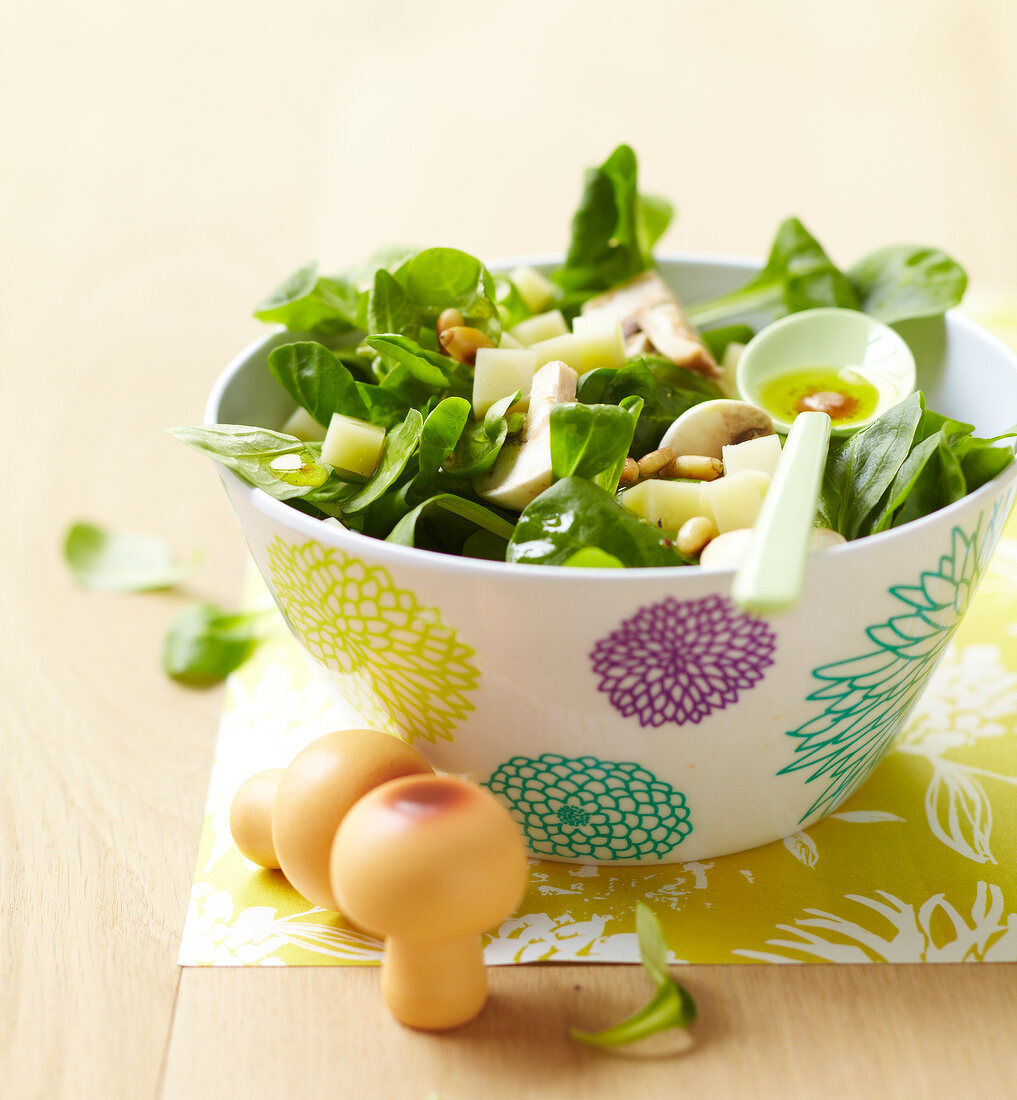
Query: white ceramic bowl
column 636, row 716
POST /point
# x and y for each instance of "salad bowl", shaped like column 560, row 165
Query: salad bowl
column 637, row 716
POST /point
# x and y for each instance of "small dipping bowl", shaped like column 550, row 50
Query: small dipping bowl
column 838, row 351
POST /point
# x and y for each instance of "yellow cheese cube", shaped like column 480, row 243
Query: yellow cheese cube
column 542, row 327
column 500, row 372
column 736, row 499
column 668, row 504
column 601, row 341
column 352, row 446
column 762, row 453
column 535, row 289
column 565, row 348
column 301, row 425
column 509, row 341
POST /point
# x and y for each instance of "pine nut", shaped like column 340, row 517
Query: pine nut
column 449, row 318
column 655, row 461
column 695, row 468
column 630, row 472
column 695, row 534
column 463, row 343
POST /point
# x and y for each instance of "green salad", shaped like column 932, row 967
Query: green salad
column 520, row 416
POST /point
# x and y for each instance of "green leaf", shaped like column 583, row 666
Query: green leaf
column 407, row 353
column 440, row 434
column 512, row 307
column 400, row 446
column 280, row 464
column 205, row 643
column 404, row 531
column 308, row 302
column 718, row 340
column 592, row 441
column 105, row 561
column 389, row 308
column 318, row 380
column 442, row 278
column 902, row 282
column 666, row 391
column 862, row 468
column 574, row 514
column 592, row 557
column 613, row 229
column 671, row 1005
column 480, row 444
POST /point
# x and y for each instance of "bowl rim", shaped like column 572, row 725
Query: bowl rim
column 386, row 553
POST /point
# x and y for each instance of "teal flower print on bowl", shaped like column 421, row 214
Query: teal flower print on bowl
column 395, row 660
column 869, row 697
column 590, row 808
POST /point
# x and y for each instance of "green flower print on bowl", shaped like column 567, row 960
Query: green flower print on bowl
column 393, row 659
column 868, row 698
column 592, row 808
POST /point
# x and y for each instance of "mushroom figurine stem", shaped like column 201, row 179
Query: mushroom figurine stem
column 429, row 862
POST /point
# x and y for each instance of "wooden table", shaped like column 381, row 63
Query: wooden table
column 162, row 168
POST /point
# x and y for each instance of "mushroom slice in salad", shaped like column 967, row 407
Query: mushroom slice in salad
column 653, row 320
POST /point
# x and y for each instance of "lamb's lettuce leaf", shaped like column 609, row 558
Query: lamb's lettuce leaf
column 308, row 302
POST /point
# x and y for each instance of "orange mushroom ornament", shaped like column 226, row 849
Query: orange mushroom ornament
column 429, row 862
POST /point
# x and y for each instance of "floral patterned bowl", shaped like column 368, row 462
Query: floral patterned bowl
column 638, row 716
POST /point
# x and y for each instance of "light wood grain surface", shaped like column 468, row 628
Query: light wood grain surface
column 162, row 166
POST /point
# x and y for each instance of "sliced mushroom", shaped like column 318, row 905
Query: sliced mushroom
column 523, row 469
column 729, row 549
column 707, row 428
column 653, row 320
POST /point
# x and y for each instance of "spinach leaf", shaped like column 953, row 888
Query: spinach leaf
column 205, row 643
column 389, row 307
column 405, row 530
column 105, row 561
column 592, row 441
column 798, row 275
column 484, row 545
column 308, row 302
column 665, row 389
column 512, row 308
column 440, row 434
column 670, row 1006
column 316, row 379
column 863, row 467
column 592, row 557
column 904, row 281
column 980, row 461
column 442, row 278
column 613, row 229
column 479, row 446
column 280, row 464
column 718, row 340
column 575, row 514
column 404, row 352
column 400, row 446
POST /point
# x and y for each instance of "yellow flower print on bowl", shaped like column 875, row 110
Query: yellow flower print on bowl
column 393, row 659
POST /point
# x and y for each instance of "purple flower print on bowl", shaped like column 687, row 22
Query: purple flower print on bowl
column 680, row 661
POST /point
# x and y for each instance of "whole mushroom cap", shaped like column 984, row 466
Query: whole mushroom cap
column 317, row 790
column 710, row 426
column 428, row 858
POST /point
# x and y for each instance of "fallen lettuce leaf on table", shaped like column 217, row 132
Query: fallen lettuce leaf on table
column 106, row 561
column 205, row 643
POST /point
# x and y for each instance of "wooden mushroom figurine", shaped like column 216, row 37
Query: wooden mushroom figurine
column 429, row 862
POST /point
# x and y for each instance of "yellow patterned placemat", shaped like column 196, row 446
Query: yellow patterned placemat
column 920, row 865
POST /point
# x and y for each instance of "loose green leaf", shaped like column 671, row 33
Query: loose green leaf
column 318, row 380
column 902, row 282
column 405, row 530
column 280, row 464
column 105, row 561
column 480, row 444
column 592, row 441
column 205, row 643
column 400, row 446
column 575, row 514
column 390, row 308
column 308, row 302
column 440, row 435
column 407, row 353
column 671, row 1005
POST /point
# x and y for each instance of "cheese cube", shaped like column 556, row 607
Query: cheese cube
column 542, row 327
column 535, row 289
column 667, row 504
column 509, row 341
column 762, row 453
column 352, row 446
column 736, row 499
column 564, row 348
column 301, row 425
column 500, row 372
column 601, row 341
